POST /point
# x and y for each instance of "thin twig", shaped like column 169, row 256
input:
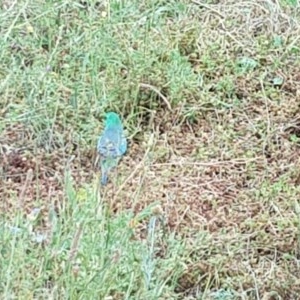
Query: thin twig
column 132, row 174
column 153, row 88
column 208, row 7
column 28, row 180
column 210, row 164
column 74, row 247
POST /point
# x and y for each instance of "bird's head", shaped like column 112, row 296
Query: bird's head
column 112, row 119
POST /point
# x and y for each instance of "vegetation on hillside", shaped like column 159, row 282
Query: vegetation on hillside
column 205, row 205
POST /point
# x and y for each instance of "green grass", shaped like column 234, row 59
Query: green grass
column 205, row 204
column 88, row 254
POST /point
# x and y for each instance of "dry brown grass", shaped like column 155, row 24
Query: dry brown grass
column 229, row 174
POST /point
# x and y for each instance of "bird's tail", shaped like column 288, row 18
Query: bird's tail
column 104, row 178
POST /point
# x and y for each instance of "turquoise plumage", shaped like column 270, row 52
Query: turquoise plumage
column 112, row 145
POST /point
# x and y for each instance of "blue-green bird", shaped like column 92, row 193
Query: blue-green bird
column 112, row 145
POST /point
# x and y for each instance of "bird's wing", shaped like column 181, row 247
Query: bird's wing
column 108, row 146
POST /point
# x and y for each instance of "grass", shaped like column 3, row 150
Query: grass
column 205, row 205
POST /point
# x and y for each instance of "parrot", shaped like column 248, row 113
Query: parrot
column 112, row 145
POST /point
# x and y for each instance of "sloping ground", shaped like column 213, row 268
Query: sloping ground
column 31, row 176
column 224, row 181
column 222, row 160
column 242, row 191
